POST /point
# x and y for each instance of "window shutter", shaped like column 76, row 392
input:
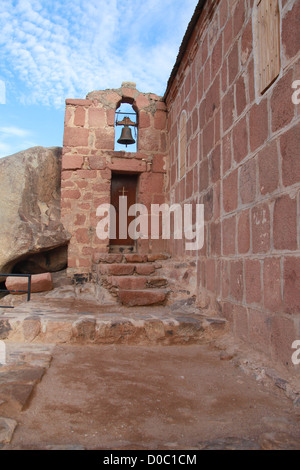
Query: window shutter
column 267, row 42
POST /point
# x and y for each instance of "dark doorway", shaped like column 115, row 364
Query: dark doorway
column 123, row 185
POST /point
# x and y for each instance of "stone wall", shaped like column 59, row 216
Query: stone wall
column 243, row 164
column 89, row 160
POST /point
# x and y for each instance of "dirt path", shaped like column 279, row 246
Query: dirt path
column 175, row 397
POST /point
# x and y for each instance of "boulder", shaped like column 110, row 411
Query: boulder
column 30, row 223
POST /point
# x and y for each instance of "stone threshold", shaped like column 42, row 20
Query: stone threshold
column 72, row 321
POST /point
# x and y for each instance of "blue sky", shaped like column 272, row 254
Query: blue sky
column 51, row 50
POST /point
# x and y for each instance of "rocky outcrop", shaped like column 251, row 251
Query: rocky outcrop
column 30, row 210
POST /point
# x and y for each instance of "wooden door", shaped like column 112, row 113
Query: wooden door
column 123, row 185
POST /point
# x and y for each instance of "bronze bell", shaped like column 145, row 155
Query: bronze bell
column 126, row 137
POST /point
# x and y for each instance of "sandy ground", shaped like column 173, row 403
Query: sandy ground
column 132, row 397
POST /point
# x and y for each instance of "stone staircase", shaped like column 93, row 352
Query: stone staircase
column 133, row 279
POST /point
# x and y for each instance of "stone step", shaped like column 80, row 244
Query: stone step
column 128, row 258
column 137, row 282
column 58, row 321
column 133, row 298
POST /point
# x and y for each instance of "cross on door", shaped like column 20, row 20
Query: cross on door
column 123, row 191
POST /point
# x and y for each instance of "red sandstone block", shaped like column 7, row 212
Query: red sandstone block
column 216, row 58
column 210, row 274
column 228, row 109
column 260, row 330
column 272, row 284
column 135, row 258
column 83, row 263
column 78, row 102
column 240, row 95
column 39, row 283
column 227, row 36
column 104, row 139
column 247, row 42
column 86, row 174
column 144, row 120
column 107, row 258
column 268, row 168
column 70, row 194
column 236, row 280
column 240, row 322
column 223, row 13
column 258, row 127
column 244, row 232
column 79, row 117
column 75, row 137
column 240, row 140
column 82, row 235
column 291, row 285
column 82, row 184
column 117, row 269
column 142, row 101
column 233, row 63
column 96, row 117
column 110, row 116
column 283, row 334
column 238, row 18
column 285, row 223
column 215, row 238
column 203, row 175
column 149, row 139
column 253, row 281
column 289, row 145
column 123, row 164
column 247, row 181
column 230, row 191
column 72, row 162
column 160, row 120
column 229, row 230
column 291, row 31
column 133, row 298
column 226, row 152
column 129, row 282
column 145, row 269
column 282, row 107
column 225, row 275
column 96, row 162
column 260, row 220
column 80, row 219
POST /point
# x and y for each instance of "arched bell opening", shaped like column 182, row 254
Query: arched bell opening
column 126, row 126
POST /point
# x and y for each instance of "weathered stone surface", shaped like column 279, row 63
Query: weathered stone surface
column 229, row 443
column 117, row 269
column 156, row 257
column 107, row 258
column 39, row 283
column 28, row 375
column 16, row 396
column 7, row 428
column 279, row 441
column 129, row 282
column 31, row 327
column 135, row 258
column 133, row 298
column 30, row 205
column 5, row 328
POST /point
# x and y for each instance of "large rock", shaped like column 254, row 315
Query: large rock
column 30, row 206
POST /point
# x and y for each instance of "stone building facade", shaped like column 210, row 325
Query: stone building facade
column 215, row 138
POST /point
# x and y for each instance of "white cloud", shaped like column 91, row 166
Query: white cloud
column 14, row 139
column 66, row 49
column 13, row 131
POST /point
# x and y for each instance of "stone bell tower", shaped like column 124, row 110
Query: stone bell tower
column 93, row 173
